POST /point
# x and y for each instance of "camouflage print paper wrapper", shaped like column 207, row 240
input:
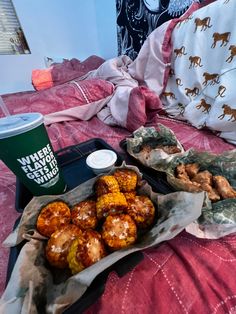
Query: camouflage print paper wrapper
column 34, row 288
column 150, row 146
column 219, row 218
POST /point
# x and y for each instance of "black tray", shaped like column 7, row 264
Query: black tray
column 72, row 161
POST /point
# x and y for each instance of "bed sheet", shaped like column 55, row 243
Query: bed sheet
column 184, row 275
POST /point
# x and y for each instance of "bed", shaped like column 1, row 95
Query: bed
column 183, row 275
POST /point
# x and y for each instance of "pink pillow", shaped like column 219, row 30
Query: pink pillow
column 58, row 98
column 63, row 72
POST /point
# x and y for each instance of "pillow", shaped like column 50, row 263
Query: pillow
column 63, row 72
column 201, row 85
column 59, row 98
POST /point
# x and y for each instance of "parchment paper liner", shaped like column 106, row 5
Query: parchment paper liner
column 31, row 288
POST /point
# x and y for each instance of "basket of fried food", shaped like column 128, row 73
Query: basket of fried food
column 111, row 219
column 216, row 176
column 76, row 236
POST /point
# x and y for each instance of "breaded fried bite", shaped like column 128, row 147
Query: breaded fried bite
column 223, row 187
column 192, row 169
column 53, row 216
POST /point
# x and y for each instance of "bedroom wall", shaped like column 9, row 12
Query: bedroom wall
column 59, row 28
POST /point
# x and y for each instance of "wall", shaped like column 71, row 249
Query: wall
column 59, row 28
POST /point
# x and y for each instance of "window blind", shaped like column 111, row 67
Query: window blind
column 12, row 40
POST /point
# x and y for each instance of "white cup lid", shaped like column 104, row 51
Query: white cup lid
column 19, row 123
column 102, row 158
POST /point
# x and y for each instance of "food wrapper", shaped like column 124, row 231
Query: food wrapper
column 218, row 219
column 33, row 288
column 153, row 138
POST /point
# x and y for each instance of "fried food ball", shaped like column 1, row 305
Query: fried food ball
column 127, row 179
column 86, row 251
column 119, row 231
column 111, row 203
column 142, row 211
column 106, row 184
column 84, row 215
column 223, row 187
column 58, row 245
column 53, row 216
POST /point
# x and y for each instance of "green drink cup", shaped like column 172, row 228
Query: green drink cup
column 26, row 150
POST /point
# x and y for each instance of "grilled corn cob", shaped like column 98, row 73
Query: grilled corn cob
column 127, row 179
column 111, row 203
column 106, row 184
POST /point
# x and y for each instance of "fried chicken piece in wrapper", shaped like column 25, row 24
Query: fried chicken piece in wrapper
column 53, row 216
column 223, row 187
column 58, row 245
column 119, row 231
column 106, row 184
column 182, row 175
column 111, row 203
column 85, row 251
column 192, row 169
column 142, row 211
column 204, row 178
column 127, row 179
column 84, row 215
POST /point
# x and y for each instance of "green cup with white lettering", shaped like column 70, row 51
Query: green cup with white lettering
column 26, row 150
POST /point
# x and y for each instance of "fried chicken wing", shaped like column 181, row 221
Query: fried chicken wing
column 192, row 169
column 181, row 173
column 203, row 177
column 223, row 187
column 212, row 193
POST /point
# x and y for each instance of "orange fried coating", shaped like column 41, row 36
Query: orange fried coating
column 181, row 173
column 119, row 231
column 142, row 210
column 106, row 184
column 203, row 177
column 84, row 215
column 127, row 179
column 223, row 187
column 59, row 243
column 86, row 251
column 192, row 169
column 53, row 216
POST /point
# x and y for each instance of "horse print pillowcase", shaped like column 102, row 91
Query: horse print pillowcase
column 201, row 84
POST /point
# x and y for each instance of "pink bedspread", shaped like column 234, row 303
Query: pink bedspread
column 184, row 275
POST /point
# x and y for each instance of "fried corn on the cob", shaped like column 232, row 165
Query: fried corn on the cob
column 127, row 179
column 119, row 231
column 85, row 251
column 111, row 203
column 106, row 184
